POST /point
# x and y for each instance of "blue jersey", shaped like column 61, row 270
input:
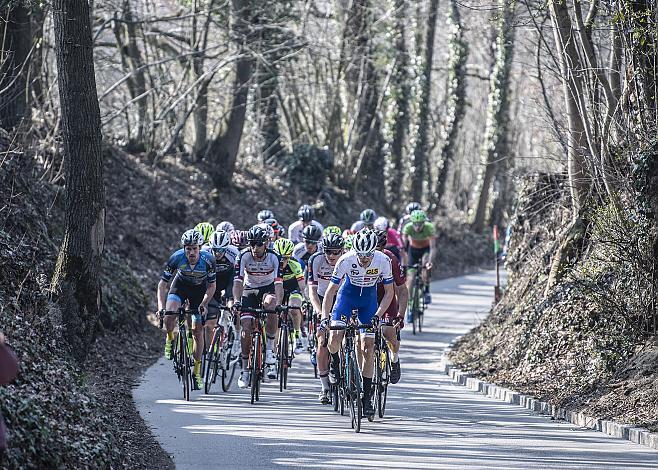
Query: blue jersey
column 203, row 271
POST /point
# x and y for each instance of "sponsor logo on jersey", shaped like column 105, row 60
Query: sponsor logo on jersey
column 372, row 271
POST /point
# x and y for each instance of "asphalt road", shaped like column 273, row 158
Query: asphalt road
column 430, row 423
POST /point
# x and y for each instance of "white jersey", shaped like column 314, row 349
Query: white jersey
column 301, row 254
column 319, row 272
column 348, row 268
column 257, row 273
column 296, row 228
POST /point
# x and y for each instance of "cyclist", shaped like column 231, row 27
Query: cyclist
column 367, row 218
column 312, row 236
column 412, row 206
column 206, row 229
column 394, row 242
column 305, row 215
column 257, row 282
column 189, row 275
column 362, row 269
column 277, row 229
column 319, row 271
column 226, row 226
column 293, row 286
column 264, row 215
column 394, row 316
column 225, row 255
column 420, row 237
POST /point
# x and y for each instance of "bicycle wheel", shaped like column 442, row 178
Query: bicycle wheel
column 228, row 370
column 382, row 391
column 185, row 367
column 377, row 377
column 212, row 363
column 282, row 356
column 255, row 367
column 334, row 396
column 356, row 396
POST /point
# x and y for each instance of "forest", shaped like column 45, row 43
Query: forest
column 124, row 122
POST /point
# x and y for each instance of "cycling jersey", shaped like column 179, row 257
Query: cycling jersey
column 393, row 239
column 296, row 228
column 355, row 275
column 225, row 270
column 257, row 273
column 419, row 239
column 318, row 272
column 292, row 274
column 399, row 278
column 302, row 255
column 200, row 273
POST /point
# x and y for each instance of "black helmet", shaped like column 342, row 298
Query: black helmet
column 258, row 233
column 333, row 241
column 368, row 216
column 306, row 213
column 312, row 233
column 413, row 206
column 265, row 214
column 382, row 238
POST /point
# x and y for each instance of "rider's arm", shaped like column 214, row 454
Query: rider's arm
column 403, row 298
column 389, row 292
column 238, row 288
column 329, row 300
column 163, row 289
column 278, row 291
column 302, row 288
column 315, row 298
column 210, row 292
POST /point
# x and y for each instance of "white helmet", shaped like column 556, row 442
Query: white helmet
column 191, row 237
column 220, row 239
column 381, row 223
column 225, row 226
column 364, row 242
column 268, row 229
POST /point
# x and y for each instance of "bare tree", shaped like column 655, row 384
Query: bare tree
column 76, row 280
column 15, row 46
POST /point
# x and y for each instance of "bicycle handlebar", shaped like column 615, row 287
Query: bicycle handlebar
column 351, row 327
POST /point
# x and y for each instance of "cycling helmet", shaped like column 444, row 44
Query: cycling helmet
column 191, row 237
column 381, row 223
column 368, row 216
column 331, row 229
column 348, row 241
column 417, row 217
column 272, row 223
column 311, row 233
column 268, row 229
column 206, row 229
column 365, row 242
column 357, row 226
column 413, row 206
column 347, row 232
column 220, row 239
column 284, row 247
column 333, row 241
column 239, row 238
column 306, row 213
column 382, row 238
column 226, row 226
column 265, row 214
column 258, row 233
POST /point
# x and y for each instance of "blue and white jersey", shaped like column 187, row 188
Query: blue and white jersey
column 355, row 275
column 178, row 265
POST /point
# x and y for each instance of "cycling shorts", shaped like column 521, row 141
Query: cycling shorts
column 180, row 291
column 253, row 298
column 415, row 255
column 291, row 291
column 214, row 311
column 355, row 298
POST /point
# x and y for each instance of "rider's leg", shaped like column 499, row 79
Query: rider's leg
column 296, row 313
column 391, row 335
column 245, row 340
column 322, row 355
column 272, row 323
column 173, row 304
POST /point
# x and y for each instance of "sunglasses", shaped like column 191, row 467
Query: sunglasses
column 219, row 251
column 285, row 258
column 333, row 252
column 366, row 255
column 256, row 243
column 310, row 242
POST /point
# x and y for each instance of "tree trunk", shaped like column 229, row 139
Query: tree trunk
column 418, row 170
column 495, row 147
column 456, row 93
column 76, row 280
column 269, row 128
column 570, row 67
column 201, row 103
column 223, row 150
column 16, row 41
column 38, row 84
column 401, row 89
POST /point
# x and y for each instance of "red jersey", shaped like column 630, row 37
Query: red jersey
column 398, row 279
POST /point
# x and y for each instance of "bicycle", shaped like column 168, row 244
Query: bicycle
column 311, row 327
column 350, row 378
column 417, row 296
column 219, row 359
column 285, row 353
column 382, row 375
column 182, row 359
